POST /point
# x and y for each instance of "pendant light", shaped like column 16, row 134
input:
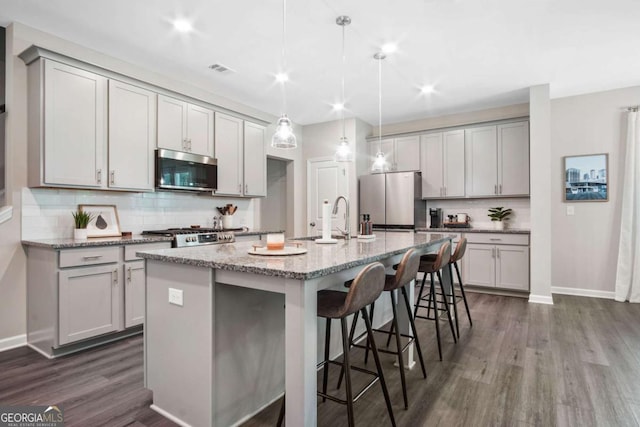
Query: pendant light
column 343, row 151
column 380, row 162
column 284, row 137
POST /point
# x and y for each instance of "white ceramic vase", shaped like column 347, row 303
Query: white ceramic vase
column 498, row 225
column 80, row 234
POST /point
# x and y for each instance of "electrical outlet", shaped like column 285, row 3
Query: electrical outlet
column 175, row 297
column 571, row 210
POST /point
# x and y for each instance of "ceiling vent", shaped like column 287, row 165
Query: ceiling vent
column 222, row 69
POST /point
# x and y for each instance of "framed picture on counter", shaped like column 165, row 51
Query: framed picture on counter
column 586, row 178
column 104, row 221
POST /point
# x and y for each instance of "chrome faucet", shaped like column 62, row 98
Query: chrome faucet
column 347, row 227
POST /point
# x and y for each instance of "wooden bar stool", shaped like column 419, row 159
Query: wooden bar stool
column 457, row 255
column 431, row 266
column 406, row 272
column 365, row 289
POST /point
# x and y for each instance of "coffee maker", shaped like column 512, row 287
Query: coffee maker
column 435, row 214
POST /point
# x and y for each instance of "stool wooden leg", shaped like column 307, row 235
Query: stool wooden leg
column 415, row 331
column 432, row 297
column 446, row 308
column 399, row 350
column 325, row 368
column 351, row 335
column 347, row 368
column 417, row 305
column 453, row 299
column 383, row 384
column 366, row 350
column 464, row 297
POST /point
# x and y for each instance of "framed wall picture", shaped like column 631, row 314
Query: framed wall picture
column 586, row 178
column 105, row 222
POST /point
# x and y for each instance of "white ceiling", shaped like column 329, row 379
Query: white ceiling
column 477, row 53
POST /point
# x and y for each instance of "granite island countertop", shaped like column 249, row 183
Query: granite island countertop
column 320, row 259
column 475, row 230
column 95, row 241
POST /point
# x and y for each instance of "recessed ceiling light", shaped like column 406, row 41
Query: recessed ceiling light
column 389, row 47
column 282, row 77
column 338, row 106
column 427, row 89
column 182, row 25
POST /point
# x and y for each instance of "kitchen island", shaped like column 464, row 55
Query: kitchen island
column 218, row 339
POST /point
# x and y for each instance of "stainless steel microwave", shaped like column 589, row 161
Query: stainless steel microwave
column 176, row 170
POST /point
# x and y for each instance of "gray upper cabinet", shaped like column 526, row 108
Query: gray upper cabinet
column 442, row 164
column 402, row 153
column 513, row 159
column 255, row 160
column 67, row 127
column 132, row 137
column 481, row 151
column 497, row 159
column 229, row 132
column 185, row 127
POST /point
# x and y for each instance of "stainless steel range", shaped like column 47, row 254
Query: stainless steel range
column 183, row 237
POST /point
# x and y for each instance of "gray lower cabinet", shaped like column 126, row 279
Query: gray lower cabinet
column 133, row 293
column 79, row 297
column 497, row 261
column 89, row 303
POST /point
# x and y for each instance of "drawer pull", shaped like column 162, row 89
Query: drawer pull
column 91, row 257
column 495, row 239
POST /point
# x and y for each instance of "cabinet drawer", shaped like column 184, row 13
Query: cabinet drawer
column 498, row 238
column 130, row 250
column 89, row 256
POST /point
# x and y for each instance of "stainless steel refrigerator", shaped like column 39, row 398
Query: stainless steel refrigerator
column 394, row 200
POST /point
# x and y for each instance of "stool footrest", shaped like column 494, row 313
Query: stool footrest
column 360, row 393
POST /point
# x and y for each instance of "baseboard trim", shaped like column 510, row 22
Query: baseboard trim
column 582, row 292
column 13, row 342
column 169, row 416
column 541, row 299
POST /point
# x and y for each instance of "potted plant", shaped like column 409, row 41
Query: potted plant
column 81, row 219
column 499, row 215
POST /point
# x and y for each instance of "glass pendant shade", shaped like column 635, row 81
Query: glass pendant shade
column 380, row 163
column 284, row 137
column 343, row 152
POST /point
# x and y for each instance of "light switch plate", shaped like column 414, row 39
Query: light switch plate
column 175, row 297
column 571, row 210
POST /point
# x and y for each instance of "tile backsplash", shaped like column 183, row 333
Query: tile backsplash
column 46, row 213
column 477, row 209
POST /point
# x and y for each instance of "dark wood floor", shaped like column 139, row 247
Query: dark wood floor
column 576, row 363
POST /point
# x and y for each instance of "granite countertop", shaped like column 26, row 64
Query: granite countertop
column 475, row 230
column 255, row 232
column 95, row 241
column 320, row 260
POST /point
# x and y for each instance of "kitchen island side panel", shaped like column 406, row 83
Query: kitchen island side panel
column 179, row 341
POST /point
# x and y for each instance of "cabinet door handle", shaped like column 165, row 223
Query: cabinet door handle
column 115, row 276
column 113, row 177
column 500, row 188
column 239, row 188
column 246, row 189
column 91, row 257
column 129, row 274
column 497, row 253
column 99, row 176
column 189, row 144
column 495, row 189
column 493, row 252
column 445, row 191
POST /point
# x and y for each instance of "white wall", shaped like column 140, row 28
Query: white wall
column 478, row 209
column 585, row 246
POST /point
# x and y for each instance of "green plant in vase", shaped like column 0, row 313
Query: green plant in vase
column 499, row 216
column 81, row 220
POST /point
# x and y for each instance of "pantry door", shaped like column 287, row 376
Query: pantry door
column 326, row 180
